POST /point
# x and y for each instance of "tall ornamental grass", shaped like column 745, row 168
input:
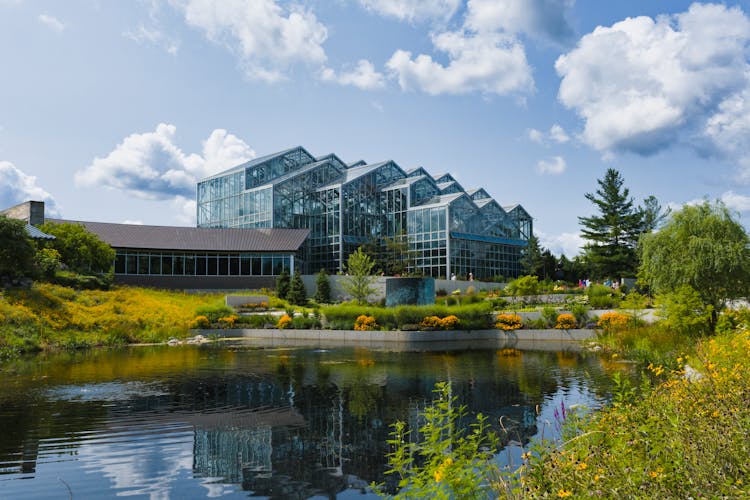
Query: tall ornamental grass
column 53, row 316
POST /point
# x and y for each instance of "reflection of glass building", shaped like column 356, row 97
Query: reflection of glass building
column 446, row 228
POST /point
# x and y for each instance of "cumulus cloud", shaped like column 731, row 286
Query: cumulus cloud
column 363, row 76
column 151, row 166
column 186, row 210
column 553, row 166
column 569, row 244
column 267, row 38
column 645, row 84
column 490, row 63
column 413, row 10
column 17, row 187
column 52, row 22
column 481, row 58
column 543, row 19
column 736, row 201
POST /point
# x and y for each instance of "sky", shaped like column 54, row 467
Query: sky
column 112, row 111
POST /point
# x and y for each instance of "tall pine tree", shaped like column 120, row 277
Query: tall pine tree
column 613, row 233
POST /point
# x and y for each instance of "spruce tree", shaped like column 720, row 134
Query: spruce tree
column 297, row 293
column 282, row 285
column 322, row 288
column 612, row 234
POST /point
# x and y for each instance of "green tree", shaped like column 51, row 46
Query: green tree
column 283, row 282
column 532, row 262
column 80, row 250
column 359, row 267
column 297, row 293
column 47, row 261
column 16, row 249
column 701, row 246
column 524, row 286
column 322, row 288
column 612, row 234
column 684, row 311
column 652, row 214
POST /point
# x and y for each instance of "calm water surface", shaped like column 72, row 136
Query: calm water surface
column 197, row 422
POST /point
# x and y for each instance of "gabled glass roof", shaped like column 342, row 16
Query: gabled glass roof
column 357, row 164
column 416, row 172
column 303, row 170
column 478, row 194
column 444, row 178
column 262, row 159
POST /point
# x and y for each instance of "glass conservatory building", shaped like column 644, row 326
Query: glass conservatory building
column 442, row 229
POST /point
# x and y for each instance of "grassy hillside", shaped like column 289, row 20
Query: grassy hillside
column 51, row 316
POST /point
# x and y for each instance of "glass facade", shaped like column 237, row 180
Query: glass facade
column 445, row 230
column 169, row 263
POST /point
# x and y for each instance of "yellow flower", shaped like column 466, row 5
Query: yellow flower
column 564, row 493
column 438, row 475
column 581, row 466
column 526, row 456
column 653, row 473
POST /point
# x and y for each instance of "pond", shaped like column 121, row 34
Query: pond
column 240, row 422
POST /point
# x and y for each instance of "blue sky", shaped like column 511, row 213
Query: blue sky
column 110, row 111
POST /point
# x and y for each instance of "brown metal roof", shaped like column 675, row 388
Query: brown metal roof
column 195, row 238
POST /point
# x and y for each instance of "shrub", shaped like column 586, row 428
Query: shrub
column 449, row 322
column 525, row 285
column 214, row 312
column 284, row 322
column 297, row 294
column 227, row 322
column 446, row 459
column 508, row 321
column 612, row 321
column 430, row 322
column 580, row 312
column 305, row 323
column 364, row 323
column 258, row 320
column 684, row 311
column 566, row 321
column 200, row 322
column 603, row 297
column 549, row 314
column 451, row 300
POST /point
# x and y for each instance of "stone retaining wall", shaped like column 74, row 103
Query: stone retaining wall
column 547, row 340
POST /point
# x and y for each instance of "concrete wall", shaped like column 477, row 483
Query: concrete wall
column 538, row 340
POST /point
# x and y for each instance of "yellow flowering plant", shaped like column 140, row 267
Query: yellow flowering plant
column 508, row 321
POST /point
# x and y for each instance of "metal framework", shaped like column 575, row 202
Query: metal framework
column 448, row 230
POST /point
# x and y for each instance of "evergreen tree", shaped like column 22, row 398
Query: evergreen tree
column 322, row 288
column 297, row 292
column 283, row 282
column 612, row 234
column 531, row 257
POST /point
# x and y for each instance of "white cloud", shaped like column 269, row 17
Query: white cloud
column 52, row 22
column 643, row 84
column 154, row 36
column 413, row 10
column 492, row 63
column 151, row 166
column 483, row 59
column 736, row 201
column 133, row 222
column 569, row 244
column 535, row 135
column 553, row 166
column 17, row 187
column 545, row 19
column 363, row 76
column 267, row 38
column 186, row 210
column 558, row 134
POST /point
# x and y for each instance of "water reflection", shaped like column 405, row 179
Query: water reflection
column 282, row 423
